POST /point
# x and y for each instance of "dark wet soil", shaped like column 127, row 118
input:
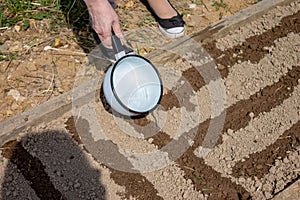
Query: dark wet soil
column 32, row 169
column 204, row 178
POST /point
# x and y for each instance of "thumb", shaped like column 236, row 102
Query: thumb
column 106, row 41
column 117, row 30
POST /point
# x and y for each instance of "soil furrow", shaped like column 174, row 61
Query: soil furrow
column 269, row 20
column 239, row 115
column 139, row 187
column 258, row 164
column 161, row 139
column 136, row 185
column 32, row 169
column 194, row 78
column 255, row 47
column 13, row 177
column 252, row 50
column 237, row 118
column 171, row 184
column 284, row 172
column 261, row 132
column 204, row 177
column 169, row 101
column 263, row 101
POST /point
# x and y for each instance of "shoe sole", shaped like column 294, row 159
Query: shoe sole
column 171, row 35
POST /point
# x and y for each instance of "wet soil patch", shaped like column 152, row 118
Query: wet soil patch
column 258, row 164
column 161, row 139
column 32, row 169
column 194, row 78
column 140, row 122
column 135, row 184
column 71, row 127
column 237, row 117
column 262, row 101
column 205, row 178
column 254, row 48
column 169, row 101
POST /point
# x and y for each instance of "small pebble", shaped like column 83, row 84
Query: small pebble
column 225, row 137
column 77, row 185
column 242, row 179
column 186, row 195
column 189, row 181
column 228, row 158
column 285, row 160
column 221, row 67
column 268, row 195
column 9, row 178
column 251, row 115
column 230, row 131
column 192, row 6
column 7, row 193
column 150, row 140
column 17, row 28
column 58, row 173
column 15, row 193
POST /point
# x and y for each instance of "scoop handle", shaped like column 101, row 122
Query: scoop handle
column 117, row 44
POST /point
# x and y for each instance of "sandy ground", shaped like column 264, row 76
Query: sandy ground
column 245, row 146
column 35, row 75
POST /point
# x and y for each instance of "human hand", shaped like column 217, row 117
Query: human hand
column 104, row 20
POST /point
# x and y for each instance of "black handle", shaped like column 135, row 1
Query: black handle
column 117, row 44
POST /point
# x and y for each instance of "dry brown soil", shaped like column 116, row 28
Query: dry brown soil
column 256, row 157
column 37, row 75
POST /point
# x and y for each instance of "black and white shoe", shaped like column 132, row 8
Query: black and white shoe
column 173, row 27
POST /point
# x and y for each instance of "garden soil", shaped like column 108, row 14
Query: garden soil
column 256, row 156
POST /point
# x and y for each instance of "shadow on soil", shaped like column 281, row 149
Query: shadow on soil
column 49, row 165
column 77, row 18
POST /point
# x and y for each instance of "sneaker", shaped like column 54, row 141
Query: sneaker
column 173, row 27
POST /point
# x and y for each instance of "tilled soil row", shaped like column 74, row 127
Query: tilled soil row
column 254, row 119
